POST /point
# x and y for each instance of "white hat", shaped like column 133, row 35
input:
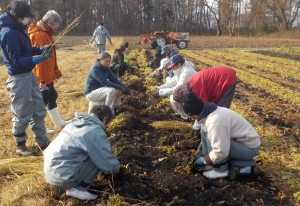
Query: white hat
column 164, row 62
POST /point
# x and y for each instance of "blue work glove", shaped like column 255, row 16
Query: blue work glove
column 45, row 55
column 45, row 48
column 200, row 161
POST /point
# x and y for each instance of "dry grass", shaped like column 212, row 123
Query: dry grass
column 169, row 125
column 22, row 179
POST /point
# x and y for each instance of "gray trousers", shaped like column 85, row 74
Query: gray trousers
column 226, row 97
column 238, row 150
column 86, row 175
column 101, row 48
column 27, row 107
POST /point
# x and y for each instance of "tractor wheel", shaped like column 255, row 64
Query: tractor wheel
column 182, row 44
column 161, row 40
column 234, row 172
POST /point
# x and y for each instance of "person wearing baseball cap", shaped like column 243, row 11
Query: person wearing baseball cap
column 20, row 57
column 225, row 135
column 183, row 72
column 161, row 70
column 102, row 85
column 169, row 52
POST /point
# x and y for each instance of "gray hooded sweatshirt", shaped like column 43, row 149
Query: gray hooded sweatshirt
column 100, row 34
column 84, row 138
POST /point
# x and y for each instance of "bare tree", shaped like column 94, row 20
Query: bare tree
column 285, row 11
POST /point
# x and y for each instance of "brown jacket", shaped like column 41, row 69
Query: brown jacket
column 41, row 35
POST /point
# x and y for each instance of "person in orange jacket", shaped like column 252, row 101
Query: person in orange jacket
column 41, row 33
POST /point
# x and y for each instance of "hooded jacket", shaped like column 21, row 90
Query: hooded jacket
column 100, row 34
column 100, row 76
column 84, row 138
column 181, row 76
column 17, row 51
column 118, row 58
column 209, row 84
column 41, row 35
column 221, row 125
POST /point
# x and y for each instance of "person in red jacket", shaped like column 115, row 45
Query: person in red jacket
column 41, row 33
column 216, row 84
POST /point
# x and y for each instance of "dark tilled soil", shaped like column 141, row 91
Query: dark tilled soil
column 157, row 172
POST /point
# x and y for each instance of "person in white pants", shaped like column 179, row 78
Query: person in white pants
column 101, row 84
column 183, row 71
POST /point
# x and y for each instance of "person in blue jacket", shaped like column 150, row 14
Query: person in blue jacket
column 20, row 58
column 102, row 85
column 168, row 52
column 80, row 151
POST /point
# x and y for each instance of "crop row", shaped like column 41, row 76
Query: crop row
column 254, row 79
column 282, row 72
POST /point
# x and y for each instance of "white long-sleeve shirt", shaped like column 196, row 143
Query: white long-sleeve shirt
column 222, row 125
column 181, row 76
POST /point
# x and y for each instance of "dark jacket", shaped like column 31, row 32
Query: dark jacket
column 158, row 53
column 100, row 76
column 118, row 58
column 17, row 51
column 172, row 53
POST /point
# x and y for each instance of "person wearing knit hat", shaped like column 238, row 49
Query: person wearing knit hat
column 101, row 84
column 118, row 64
column 224, row 135
column 216, row 84
column 192, row 106
column 183, row 72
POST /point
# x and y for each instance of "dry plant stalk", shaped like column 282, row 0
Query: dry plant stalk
column 68, row 28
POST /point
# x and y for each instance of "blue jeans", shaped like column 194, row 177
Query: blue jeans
column 226, row 97
column 238, row 150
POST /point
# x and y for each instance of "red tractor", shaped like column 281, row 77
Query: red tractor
column 163, row 38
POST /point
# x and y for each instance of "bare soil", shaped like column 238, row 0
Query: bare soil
column 165, row 177
column 154, row 169
column 197, row 42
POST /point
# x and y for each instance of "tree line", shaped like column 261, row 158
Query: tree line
column 199, row 17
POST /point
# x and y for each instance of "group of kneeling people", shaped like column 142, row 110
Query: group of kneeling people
column 81, row 150
column 74, row 158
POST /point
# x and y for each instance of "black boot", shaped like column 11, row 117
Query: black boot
column 22, row 150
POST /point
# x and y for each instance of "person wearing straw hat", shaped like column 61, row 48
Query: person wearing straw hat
column 225, row 134
column 80, row 151
column 20, row 58
column 102, row 85
column 100, row 35
column 41, row 33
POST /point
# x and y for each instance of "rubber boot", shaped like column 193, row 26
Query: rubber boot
column 56, row 119
column 50, row 131
column 22, row 150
